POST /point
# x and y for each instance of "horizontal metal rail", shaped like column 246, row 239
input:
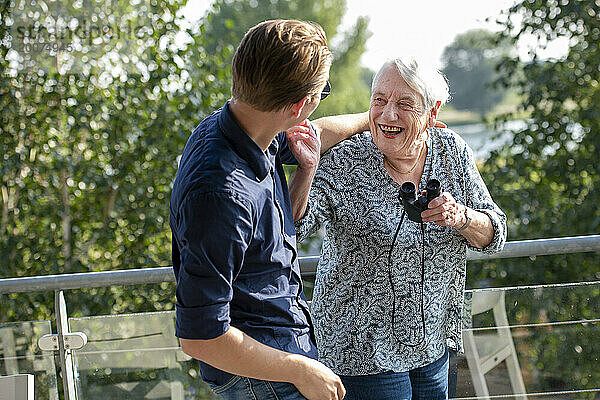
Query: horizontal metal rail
column 542, row 247
column 522, row 248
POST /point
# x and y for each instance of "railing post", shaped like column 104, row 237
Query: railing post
column 66, row 359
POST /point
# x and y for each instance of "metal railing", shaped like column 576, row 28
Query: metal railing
column 308, row 265
column 59, row 283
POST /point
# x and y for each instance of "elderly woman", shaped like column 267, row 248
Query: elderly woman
column 388, row 295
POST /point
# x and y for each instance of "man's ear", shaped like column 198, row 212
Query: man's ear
column 297, row 107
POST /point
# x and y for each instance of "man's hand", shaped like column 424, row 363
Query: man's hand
column 305, row 145
column 317, row 382
column 239, row 354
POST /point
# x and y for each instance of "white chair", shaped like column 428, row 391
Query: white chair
column 484, row 350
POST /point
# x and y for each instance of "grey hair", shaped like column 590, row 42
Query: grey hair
column 424, row 79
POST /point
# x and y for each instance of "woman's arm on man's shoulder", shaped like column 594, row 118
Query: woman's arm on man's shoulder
column 336, row 128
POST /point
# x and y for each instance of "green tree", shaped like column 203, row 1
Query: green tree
column 89, row 141
column 547, row 179
column 469, row 64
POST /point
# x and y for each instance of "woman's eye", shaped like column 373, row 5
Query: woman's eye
column 409, row 107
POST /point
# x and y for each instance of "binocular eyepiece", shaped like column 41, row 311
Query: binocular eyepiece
column 414, row 203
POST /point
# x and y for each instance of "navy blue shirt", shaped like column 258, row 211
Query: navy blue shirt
column 234, row 242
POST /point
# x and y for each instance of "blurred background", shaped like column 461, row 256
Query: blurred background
column 98, row 98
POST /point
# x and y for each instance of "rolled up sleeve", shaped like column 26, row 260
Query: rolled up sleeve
column 212, row 234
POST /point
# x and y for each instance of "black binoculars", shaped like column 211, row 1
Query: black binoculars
column 413, row 203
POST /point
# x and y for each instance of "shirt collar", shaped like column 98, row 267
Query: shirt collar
column 243, row 145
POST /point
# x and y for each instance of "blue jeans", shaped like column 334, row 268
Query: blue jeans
column 242, row 388
column 425, row 383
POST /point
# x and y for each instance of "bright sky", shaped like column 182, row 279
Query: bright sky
column 418, row 27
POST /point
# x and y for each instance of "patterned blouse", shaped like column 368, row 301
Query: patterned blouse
column 378, row 304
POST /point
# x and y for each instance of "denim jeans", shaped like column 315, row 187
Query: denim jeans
column 242, row 388
column 425, row 383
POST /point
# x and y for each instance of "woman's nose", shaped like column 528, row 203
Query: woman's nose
column 389, row 112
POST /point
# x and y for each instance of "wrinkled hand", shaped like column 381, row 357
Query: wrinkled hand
column 305, row 144
column 317, row 382
column 445, row 211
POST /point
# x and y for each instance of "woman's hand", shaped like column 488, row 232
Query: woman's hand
column 445, row 211
column 305, row 145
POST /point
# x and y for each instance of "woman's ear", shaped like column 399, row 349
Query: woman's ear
column 433, row 114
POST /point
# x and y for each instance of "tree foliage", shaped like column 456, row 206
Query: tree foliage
column 547, row 180
column 89, row 137
column 469, row 64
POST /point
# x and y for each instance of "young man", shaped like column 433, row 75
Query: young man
column 240, row 307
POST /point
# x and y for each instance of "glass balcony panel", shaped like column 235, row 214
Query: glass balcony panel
column 554, row 330
column 20, row 354
column 545, row 304
column 134, row 356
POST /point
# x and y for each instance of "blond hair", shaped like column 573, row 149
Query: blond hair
column 279, row 62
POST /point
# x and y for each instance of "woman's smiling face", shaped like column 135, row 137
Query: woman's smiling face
column 397, row 116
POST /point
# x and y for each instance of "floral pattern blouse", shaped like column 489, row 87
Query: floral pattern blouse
column 378, row 304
